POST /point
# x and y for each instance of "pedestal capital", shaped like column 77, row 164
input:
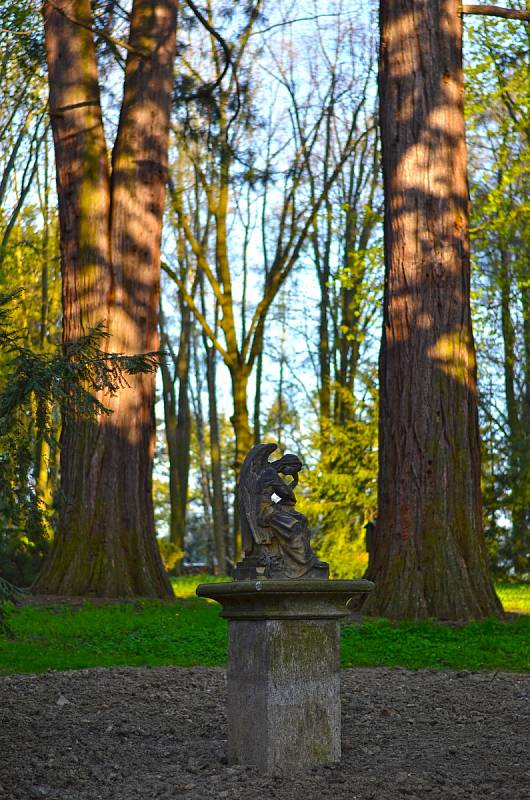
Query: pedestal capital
column 284, row 599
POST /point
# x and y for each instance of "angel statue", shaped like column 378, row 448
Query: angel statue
column 275, row 535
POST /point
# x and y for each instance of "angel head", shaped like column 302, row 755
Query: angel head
column 289, row 464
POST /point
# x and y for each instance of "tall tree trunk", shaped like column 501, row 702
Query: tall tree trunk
column 110, row 259
column 429, row 558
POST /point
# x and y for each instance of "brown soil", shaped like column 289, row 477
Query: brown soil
column 148, row 734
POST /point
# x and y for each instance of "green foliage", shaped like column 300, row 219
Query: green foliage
column 497, row 108
column 282, row 421
column 22, row 34
column 514, row 596
column 161, row 502
column 5, row 597
column 8, row 593
column 170, row 553
column 190, row 631
column 341, row 491
column 28, row 458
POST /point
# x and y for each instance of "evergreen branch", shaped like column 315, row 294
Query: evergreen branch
column 71, row 378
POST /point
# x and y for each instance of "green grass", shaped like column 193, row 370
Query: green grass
column 190, row 632
column 147, row 633
column 185, row 587
column 490, row 644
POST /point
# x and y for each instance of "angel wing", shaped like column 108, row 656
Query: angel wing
column 255, row 462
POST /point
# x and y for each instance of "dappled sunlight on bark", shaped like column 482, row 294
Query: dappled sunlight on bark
column 454, row 354
column 430, row 557
column 111, row 221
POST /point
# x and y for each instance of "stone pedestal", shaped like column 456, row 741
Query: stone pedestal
column 283, row 669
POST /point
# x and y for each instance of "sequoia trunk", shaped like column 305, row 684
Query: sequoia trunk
column 110, row 255
column 429, row 555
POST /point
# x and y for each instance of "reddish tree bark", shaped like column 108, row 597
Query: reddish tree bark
column 429, row 556
column 110, row 222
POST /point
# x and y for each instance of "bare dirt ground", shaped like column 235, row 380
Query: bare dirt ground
column 148, row 734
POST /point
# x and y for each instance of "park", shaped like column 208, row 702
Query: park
column 264, row 399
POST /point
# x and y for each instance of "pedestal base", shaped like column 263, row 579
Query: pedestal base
column 283, row 692
column 283, row 669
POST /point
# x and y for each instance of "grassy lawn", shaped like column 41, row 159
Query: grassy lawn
column 190, row 632
column 184, row 587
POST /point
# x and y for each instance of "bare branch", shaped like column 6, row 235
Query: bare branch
column 297, row 19
column 281, row 270
column 226, row 49
column 16, row 33
column 496, row 11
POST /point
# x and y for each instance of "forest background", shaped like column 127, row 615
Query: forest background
column 275, row 181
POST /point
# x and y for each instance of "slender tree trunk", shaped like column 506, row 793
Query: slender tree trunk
column 324, row 352
column 244, row 440
column 43, row 488
column 176, row 522
column 516, row 423
column 350, row 297
column 218, row 509
column 523, row 545
column 515, row 432
column 324, row 272
column 206, row 493
column 429, row 558
column 178, row 427
column 257, row 398
column 110, row 256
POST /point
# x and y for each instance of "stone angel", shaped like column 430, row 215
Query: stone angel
column 275, row 535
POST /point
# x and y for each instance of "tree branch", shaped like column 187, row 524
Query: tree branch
column 496, row 11
column 196, row 247
column 190, row 302
column 199, row 254
column 280, row 270
column 225, row 48
column 286, row 22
